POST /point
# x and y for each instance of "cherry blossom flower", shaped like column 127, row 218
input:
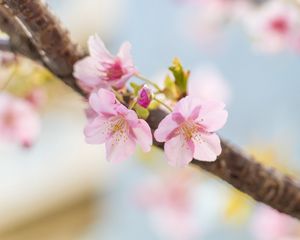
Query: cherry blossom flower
column 19, row 122
column 268, row 224
column 273, row 26
column 208, row 84
column 37, row 97
column 119, row 128
column 205, row 23
column 103, row 70
column 189, row 131
column 169, row 203
column 144, row 96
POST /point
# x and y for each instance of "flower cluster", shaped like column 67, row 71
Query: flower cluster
column 273, row 26
column 116, row 116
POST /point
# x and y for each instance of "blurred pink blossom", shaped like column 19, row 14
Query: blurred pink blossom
column 189, row 131
column 268, row 224
column 119, row 128
column 19, row 122
column 208, row 84
column 273, row 27
column 169, row 201
column 206, row 22
column 103, row 70
column 37, row 97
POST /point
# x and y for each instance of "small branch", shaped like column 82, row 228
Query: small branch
column 233, row 166
column 18, row 42
column 56, row 50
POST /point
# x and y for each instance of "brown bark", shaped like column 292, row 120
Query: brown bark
column 57, row 51
column 18, row 42
column 233, row 166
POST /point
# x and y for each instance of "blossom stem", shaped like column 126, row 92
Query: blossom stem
column 146, row 80
column 162, row 103
column 118, row 95
column 132, row 105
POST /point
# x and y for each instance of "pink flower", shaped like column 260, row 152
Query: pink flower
column 268, row 224
column 169, row 201
column 273, row 26
column 19, row 121
column 119, row 128
column 208, row 84
column 189, row 131
column 103, row 70
column 37, row 97
column 144, row 96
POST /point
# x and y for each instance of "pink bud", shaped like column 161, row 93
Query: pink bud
column 144, row 96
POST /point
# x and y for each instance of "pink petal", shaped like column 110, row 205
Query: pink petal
column 208, row 83
column 90, row 114
column 98, row 50
column 120, row 83
column 129, row 115
column 96, row 131
column 119, row 147
column 178, row 151
column 178, row 118
column 24, row 124
column 125, row 55
column 143, row 135
column 27, row 126
column 165, row 128
column 207, row 147
column 86, row 72
column 186, row 106
column 212, row 115
column 103, row 102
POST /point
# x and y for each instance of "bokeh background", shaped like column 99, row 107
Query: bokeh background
column 62, row 188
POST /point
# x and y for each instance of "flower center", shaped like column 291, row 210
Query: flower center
column 114, row 71
column 119, row 126
column 279, row 25
column 8, row 119
column 189, row 129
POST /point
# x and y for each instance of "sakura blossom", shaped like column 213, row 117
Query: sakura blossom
column 168, row 200
column 189, row 131
column 268, row 224
column 118, row 127
column 274, row 26
column 206, row 21
column 208, row 83
column 37, row 97
column 144, row 96
column 19, row 122
column 101, row 69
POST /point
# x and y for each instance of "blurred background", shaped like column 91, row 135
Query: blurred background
column 245, row 52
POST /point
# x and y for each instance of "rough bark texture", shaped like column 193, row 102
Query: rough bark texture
column 18, row 42
column 233, row 166
column 57, row 51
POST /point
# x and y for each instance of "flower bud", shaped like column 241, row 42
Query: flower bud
column 144, row 96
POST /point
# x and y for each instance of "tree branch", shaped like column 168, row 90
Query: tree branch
column 56, row 50
column 18, row 42
column 233, row 166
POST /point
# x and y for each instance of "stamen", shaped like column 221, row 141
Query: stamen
column 191, row 130
column 118, row 130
